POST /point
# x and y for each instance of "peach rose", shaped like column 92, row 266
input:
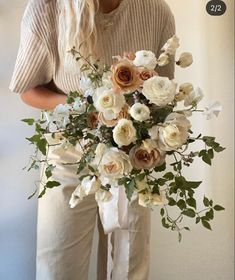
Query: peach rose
column 146, row 74
column 125, row 76
column 129, row 55
column 110, row 123
column 146, row 156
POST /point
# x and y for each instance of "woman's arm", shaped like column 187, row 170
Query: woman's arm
column 43, row 98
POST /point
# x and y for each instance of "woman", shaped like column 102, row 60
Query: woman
column 44, row 73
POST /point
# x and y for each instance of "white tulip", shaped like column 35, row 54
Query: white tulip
column 163, row 59
column 146, row 59
column 171, row 45
column 185, row 60
column 193, row 98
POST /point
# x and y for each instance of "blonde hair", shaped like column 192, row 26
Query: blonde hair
column 76, row 28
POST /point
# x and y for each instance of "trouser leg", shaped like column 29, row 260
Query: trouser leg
column 131, row 247
column 64, row 235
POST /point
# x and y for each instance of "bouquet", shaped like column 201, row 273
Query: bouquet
column 133, row 128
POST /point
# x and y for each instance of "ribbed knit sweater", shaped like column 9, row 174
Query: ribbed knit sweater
column 133, row 25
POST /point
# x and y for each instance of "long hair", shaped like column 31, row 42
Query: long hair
column 76, row 28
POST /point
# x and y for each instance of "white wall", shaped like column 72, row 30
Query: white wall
column 202, row 254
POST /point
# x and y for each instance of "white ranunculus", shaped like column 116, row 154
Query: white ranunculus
column 159, row 90
column 193, row 98
column 86, row 86
column 185, row 60
column 146, row 59
column 103, row 195
column 108, row 102
column 76, row 197
column 171, row 45
column 90, row 184
column 59, row 117
column 163, row 59
column 124, row 133
column 213, row 109
column 184, row 91
column 113, row 165
column 139, row 112
column 174, row 132
column 79, row 106
column 148, row 199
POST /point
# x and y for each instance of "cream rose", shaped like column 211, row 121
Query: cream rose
column 139, row 112
column 159, row 90
column 173, row 133
column 146, row 156
column 145, row 58
column 113, row 165
column 108, row 102
column 124, row 133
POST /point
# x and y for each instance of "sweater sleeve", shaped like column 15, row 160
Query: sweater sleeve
column 33, row 65
column 167, row 32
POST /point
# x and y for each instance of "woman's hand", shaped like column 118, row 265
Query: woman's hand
column 43, row 98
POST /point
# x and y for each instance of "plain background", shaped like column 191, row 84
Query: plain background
column 202, row 254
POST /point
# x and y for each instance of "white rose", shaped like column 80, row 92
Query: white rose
column 184, row 91
column 113, row 165
column 90, row 185
column 171, row 45
column 159, row 90
column 108, row 102
column 185, row 60
column 124, row 133
column 103, row 195
column 146, row 59
column 193, row 98
column 173, row 133
column 148, row 199
column 139, row 112
column 163, row 59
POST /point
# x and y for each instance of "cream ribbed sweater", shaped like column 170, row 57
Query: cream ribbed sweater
column 135, row 25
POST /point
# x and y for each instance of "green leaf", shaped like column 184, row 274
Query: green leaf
column 52, row 184
column 179, row 236
column 171, row 202
column 129, row 188
column 141, row 176
column 206, row 201
column 160, row 168
column 181, row 204
column 193, row 184
column 198, row 219
column 211, row 153
column 42, row 144
column 164, row 223
column 187, row 228
column 218, row 207
column 28, row 121
column 206, row 158
column 169, row 176
column 206, row 224
column 35, row 138
column 42, row 193
column 189, row 212
column 162, row 211
column 192, row 202
column 219, row 149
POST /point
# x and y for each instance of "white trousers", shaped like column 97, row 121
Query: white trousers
column 65, row 235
